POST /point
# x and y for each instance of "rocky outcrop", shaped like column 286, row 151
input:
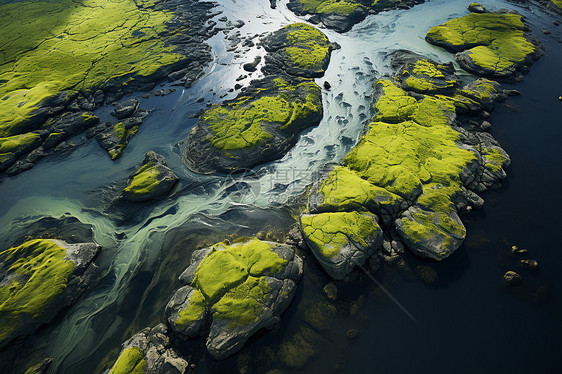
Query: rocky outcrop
column 488, row 44
column 149, row 352
column 153, row 180
column 416, row 168
column 52, row 82
column 262, row 123
column 38, row 279
column 234, row 290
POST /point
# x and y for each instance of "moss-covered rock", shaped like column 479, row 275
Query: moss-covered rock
column 149, row 351
column 38, row 279
column 342, row 15
column 341, row 241
column 487, row 44
column 297, row 49
column 238, row 289
column 422, row 75
column 260, row 125
column 39, row 368
column 152, row 180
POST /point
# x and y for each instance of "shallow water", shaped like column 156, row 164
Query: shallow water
column 465, row 322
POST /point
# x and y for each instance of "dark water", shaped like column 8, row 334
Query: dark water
column 465, row 322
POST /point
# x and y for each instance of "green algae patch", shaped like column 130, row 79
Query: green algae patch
column 329, row 6
column 19, row 144
column 38, row 273
column 48, row 47
column 131, row 361
column 330, row 232
column 244, row 122
column 489, row 44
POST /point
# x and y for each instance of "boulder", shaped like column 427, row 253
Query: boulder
column 38, row 279
column 151, row 181
column 234, row 290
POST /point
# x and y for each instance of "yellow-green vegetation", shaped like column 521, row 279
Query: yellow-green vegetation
column 331, row 231
column 47, row 47
column 231, row 281
column 241, row 123
column 308, row 47
column 495, row 43
column 427, row 77
column 145, row 181
column 558, row 3
column 494, row 160
column 18, row 144
column 328, row 6
column 131, row 361
column 37, row 274
column 124, row 135
column 344, row 190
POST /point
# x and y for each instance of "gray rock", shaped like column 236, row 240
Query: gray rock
column 153, row 346
column 125, row 109
column 251, row 66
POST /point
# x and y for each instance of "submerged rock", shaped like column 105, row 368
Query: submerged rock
column 38, row 279
column 149, row 352
column 341, row 241
column 125, row 109
column 531, row 265
column 511, row 278
column 151, row 181
column 114, row 138
column 487, row 44
column 235, row 290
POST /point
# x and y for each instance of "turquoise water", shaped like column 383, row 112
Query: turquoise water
column 466, row 322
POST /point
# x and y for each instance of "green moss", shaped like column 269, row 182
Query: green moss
column 494, row 160
column 496, row 42
column 395, row 104
column 242, row 304
column 196, row 307
column 308, row 47
column 39, row 273
column 145, row 181
column 401, row 157
column 231, row 282
column 329, row 6
column 558, row 3
column 18, row 144
column 240, row 124
column 131, row 361
column 331, row 231
column 344, row 190
column 124, row 135
column 49, row 47
column 426, row 77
